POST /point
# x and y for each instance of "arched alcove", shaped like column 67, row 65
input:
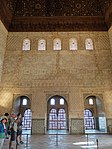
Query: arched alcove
column 94, row 115
column 22, row 104
column 57, row 115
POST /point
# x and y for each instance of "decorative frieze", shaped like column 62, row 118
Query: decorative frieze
column 62, row 23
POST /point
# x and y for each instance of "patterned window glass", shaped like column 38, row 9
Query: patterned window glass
column 61, row 119
column 26, row 44
column 26, row 120
column 89, row 120
column 53, row 119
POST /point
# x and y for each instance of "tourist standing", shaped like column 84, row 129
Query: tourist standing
column 2, row 130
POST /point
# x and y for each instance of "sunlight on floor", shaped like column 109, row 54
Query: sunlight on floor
column 83, row 143
column 90, row 147
column 86, row 145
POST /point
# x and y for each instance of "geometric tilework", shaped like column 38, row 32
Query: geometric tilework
column 37, row 126
column 77, row 125
column 109, row 125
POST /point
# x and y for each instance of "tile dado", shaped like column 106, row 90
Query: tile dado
column 38, row 126
column 109, row 125
column 77, row 126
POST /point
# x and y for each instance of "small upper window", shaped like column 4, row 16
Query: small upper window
column 61, row 101
column 52, row 101
column 24, row 101
column 73, row 44
column 42, row 44
column 26, row 44
column 89, row 44
column 91, row 101
column 57, row 44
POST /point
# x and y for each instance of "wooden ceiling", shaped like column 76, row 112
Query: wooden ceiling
column 56, row 15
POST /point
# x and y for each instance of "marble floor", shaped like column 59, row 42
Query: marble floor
column 63, row 140
column 90, row 141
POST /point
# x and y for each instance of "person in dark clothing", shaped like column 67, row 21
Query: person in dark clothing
column 13, row 130
column 19, row 128
column 7, row 125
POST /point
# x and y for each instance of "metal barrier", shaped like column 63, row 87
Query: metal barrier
column 88, row 141
column 97, row 143
column 57, row 140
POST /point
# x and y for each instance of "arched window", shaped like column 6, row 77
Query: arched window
column 57, row 44
column 52, row 119
column 91, row 101
column 89, row 119
column 89, row 44
column 73, row 44
column 61, row 101
column 62, row 119
column 41, row 44
column 26, row 120
column 24, row 101
column 57, row 113
column 26, row 44
column 52, row 101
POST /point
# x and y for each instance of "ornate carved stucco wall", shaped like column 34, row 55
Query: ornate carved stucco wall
column 108, row 94
column 3, row 38
column 22, row 66
column 65, row 72
column 110, row 36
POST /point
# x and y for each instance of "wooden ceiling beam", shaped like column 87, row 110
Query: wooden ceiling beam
column 5, row 14
column 108, row 16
